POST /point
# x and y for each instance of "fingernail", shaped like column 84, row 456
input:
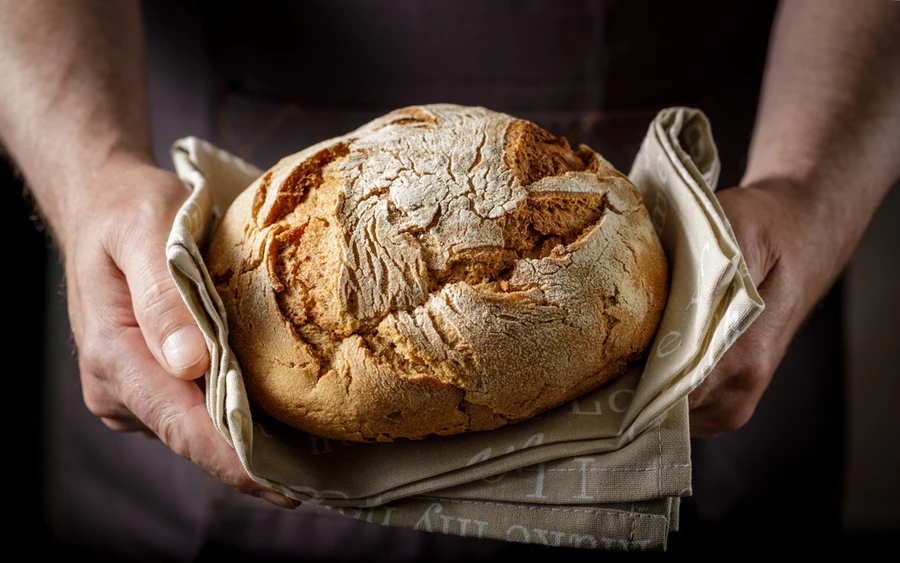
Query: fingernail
column 279, row 499
column 184, row 348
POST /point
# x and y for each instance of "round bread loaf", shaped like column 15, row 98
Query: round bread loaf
column 441, row 269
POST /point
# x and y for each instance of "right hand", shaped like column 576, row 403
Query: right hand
column 139, row 349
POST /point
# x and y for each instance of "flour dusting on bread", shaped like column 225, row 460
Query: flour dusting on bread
column 441, row 269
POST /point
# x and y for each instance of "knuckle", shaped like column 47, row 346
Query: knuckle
column 698, row 397
column 95, row 405
column 169, row 429
column 98, row 402
column 92, row 359
column 239, row 481
column 99, row 385
column 163, row 201
column 162, row 305
column 756, row 377
column 751, row 378
column 736, row 418
column 117, row 425
column 160, row 296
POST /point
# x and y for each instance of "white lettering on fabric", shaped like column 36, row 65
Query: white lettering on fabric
column 576, row 408
column 584, row 461
column 613, row 400
column 483, row 455
column 668, row 344
column 424, row 523
column 661, row 171
column 539, row 483
column 660, row 212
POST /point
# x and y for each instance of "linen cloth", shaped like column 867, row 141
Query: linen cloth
column 604, row 471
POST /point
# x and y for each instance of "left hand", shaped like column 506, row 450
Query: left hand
column 787, row 255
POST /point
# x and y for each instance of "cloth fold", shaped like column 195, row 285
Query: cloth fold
column 605, row 471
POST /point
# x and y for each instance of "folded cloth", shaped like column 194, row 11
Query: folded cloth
column 606, row 470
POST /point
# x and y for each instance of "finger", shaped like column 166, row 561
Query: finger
column 125, row 425
column 175, row 410
column 730, row 410
column 168, row 327
column 744, row 367
column 95, row 283
column 728, row 397
column 755, row 247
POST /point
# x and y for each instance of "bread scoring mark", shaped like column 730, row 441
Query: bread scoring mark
column 416, row 115
column 260, row 197
column 411, row 201
column 548, row 222
column 293, row 190
column 411, row 194
column 387, row 240
column 425, row 208
column 533, row 153
column 305, row 250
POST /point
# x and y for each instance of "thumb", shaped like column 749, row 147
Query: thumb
column 171, row 332
column 168, row 327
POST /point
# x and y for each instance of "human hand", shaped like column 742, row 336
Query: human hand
column 787, row 255
column 139, row 349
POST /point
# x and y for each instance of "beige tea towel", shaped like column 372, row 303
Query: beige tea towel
column 604, row 471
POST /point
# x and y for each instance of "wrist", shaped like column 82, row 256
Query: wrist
column 809, row 202
column 814, row 231
column 68, row 180
column 113, row 197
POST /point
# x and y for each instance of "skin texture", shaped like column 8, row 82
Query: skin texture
column 76, row 69
column 824, row 154
column 73, row 117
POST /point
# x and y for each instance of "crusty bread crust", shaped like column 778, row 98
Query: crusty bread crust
column 442, row 269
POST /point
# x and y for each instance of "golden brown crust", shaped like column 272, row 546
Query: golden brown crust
column 442, row 269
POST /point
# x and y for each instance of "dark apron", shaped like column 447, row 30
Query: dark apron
column 264, row 79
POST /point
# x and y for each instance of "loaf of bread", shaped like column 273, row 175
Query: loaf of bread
column 441, row 269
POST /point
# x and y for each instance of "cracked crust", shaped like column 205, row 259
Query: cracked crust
column 442, row 269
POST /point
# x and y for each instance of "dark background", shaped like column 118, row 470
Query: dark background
column 27, row 252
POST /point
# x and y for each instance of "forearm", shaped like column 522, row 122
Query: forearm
column 72, row 95
column 829, row 116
